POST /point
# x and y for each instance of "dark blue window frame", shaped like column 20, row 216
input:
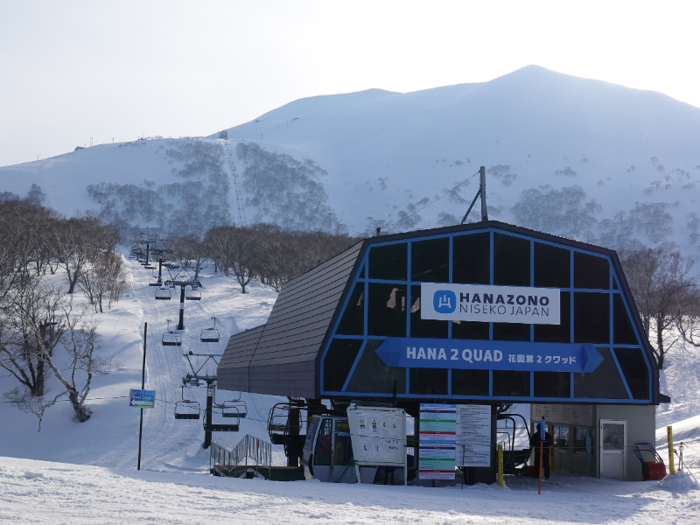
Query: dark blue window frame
column 611, row 291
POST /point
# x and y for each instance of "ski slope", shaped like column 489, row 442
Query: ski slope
column 86, row 473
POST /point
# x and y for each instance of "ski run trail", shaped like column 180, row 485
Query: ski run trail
column 86, row 473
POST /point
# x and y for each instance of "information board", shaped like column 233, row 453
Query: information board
column 142, row 398
column 378, row 435
column 436, row 454
column 570, row 414
column 473, row 436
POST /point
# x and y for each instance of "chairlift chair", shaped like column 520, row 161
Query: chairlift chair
column 171, row 338
column 235, row 407
column 154, row 281
column 193, row 294
column 164, row 293
column 210, row 335
column 187, row 409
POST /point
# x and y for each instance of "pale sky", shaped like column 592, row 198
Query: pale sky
column 121, row 69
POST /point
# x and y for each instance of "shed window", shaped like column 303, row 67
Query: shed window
column 428, row 381
column 386, row 310
column 470, row 382
column 353, row 320
column 636, row 372
column 511, row 260
column 603, row 383
column 372, row 375
column 511, row 383
column 388, row 262
column 552, row 266
column 591, row 272
column 557, row 333
column 430, row 260
column 471, row 259
column 338, row 362
column 552, row 384
column 591, row 317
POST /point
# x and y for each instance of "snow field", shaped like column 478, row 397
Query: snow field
column 90, row 474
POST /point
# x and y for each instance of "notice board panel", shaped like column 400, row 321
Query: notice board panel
column 378, row 435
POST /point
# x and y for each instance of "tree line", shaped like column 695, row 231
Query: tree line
column 42, row 330
column 263, row 252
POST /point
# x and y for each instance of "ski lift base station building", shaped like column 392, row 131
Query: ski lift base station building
column 482, row 314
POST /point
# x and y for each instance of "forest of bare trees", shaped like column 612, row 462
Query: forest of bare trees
column 42, row 331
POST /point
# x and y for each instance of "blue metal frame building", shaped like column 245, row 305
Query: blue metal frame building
column 593, row 279
column 322, row 334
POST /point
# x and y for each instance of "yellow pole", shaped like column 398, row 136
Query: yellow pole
column 671, row 464
column 500, row 465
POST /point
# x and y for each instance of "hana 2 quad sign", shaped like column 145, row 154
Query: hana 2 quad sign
column 489, row 355
column 497, row 304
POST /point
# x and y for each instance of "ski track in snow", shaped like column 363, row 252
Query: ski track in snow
column 164, row 437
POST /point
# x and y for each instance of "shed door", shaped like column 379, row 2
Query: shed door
column 613, row 450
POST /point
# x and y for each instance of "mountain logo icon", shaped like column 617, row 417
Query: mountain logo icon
column 444, row 301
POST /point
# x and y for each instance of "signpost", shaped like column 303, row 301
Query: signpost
column 378, row 437
column 468, row 354
column 142, row 398
column 438, row 428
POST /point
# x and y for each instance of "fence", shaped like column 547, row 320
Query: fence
column 235, row 462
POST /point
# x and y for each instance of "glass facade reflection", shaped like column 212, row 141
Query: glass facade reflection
column 384, row 300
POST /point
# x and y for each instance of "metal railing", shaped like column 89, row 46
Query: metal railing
column 235, row 462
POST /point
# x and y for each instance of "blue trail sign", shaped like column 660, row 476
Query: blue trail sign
column 489, row 355
column 142, row 398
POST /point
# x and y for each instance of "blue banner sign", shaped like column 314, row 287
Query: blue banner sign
column 142, row 398
column 489, row 355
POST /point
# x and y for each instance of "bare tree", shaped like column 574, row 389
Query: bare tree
column 81, row 344
column 31, row 326
column 30, row 404
column 664, row 291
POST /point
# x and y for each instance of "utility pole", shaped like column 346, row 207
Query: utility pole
column 481, row 193
column 181, row 323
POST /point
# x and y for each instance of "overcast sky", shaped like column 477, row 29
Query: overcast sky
column 121, row 69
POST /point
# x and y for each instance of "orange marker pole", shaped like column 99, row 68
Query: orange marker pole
column 539, row 487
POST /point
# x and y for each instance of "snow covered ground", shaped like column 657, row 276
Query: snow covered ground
column 86, row 472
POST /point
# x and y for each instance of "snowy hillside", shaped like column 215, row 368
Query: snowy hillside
column 86, row 472
column 571, row 156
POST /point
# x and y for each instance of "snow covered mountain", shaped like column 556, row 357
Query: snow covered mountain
column 570, row 156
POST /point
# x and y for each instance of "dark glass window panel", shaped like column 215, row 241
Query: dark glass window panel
column 424, row 327
column 373, row 376
column 428, row 381
column 511, row 383
column 386, row 313
column 388, row 262
column 591, row 317
column 353, row 320
column 430, row 260
column 470, row 382
column 362, row 273
column 470, row 330
column 635, row 369
column 557, row 333
column 603, row 383
column 591, row 272
column 553, row 384
column 471, row 259
column 338, row 362
column 552, row 266
column 623, row 332
column 615, row 287
column 511, row 332
column 511, row 260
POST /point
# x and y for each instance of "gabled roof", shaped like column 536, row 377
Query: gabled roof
column 282, row 356
column 279, row 357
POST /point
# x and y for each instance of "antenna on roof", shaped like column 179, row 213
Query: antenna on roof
column 482, row 193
